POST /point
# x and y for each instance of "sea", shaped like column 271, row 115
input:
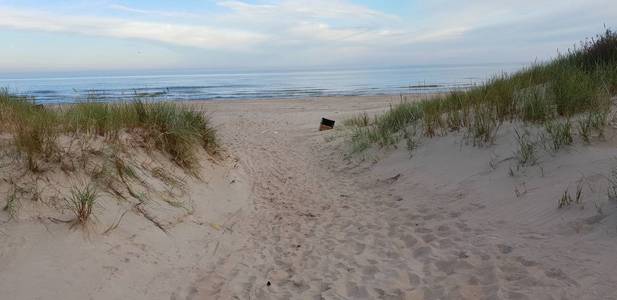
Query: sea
column 180, row 85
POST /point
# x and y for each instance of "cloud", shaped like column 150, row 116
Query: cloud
column 321, row 9
column 244, row 27
column 481, row 14
column 319, row 32
column 158, row 13
column 205, row 37
column 331, row 23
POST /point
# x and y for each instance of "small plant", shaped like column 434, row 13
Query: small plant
column 526, row 152
column 565, row 200
column 11, row 205
column 578, row 198
column 584, row 128
column 559, row 133
column 595, row 120
column 82, row 202
column 612, row 184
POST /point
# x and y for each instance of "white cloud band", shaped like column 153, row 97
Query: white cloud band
column 183, row 35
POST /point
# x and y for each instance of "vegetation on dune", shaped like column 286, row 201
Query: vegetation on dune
column 580, row 82
column 170, row 128
column 94, row 139
column 360, row 120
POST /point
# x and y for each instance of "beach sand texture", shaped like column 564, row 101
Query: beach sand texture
column 289, row 215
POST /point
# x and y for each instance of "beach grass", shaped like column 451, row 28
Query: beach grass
column 526, row 152
column 581, row 81
column 360, row 120
column 82, row 202
column 560, row 133
column 171, row 128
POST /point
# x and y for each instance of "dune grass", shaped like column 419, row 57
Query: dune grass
column 173, row 129
column 560, row 133
column 82, row 202
column 526, row 152
column 360, row 120
column 580, row 81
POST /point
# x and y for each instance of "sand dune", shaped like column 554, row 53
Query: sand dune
column 289, row 215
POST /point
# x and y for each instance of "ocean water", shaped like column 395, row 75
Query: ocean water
column 202, row 85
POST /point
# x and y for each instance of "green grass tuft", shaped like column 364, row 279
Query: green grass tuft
column 526, row 153
column 560, row 133
column 82, row 202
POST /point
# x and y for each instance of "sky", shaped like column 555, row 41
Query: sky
column 79, row 35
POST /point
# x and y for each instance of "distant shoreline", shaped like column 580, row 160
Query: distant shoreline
column 290, row 85
column 392, row 98
column 414, row 93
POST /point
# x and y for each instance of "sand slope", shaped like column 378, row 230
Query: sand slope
column 41, row 258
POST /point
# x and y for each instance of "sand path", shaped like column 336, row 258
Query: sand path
column 323, row 229
column 306, row 216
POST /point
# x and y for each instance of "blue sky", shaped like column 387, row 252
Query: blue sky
column 69, row 35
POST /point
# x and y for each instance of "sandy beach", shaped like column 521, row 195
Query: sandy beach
column 308, row 149
column 287, row 213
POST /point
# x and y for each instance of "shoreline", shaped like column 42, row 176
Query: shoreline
column 377, row 82
column 277, row 99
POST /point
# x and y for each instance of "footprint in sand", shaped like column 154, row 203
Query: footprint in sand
column 422, row 252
